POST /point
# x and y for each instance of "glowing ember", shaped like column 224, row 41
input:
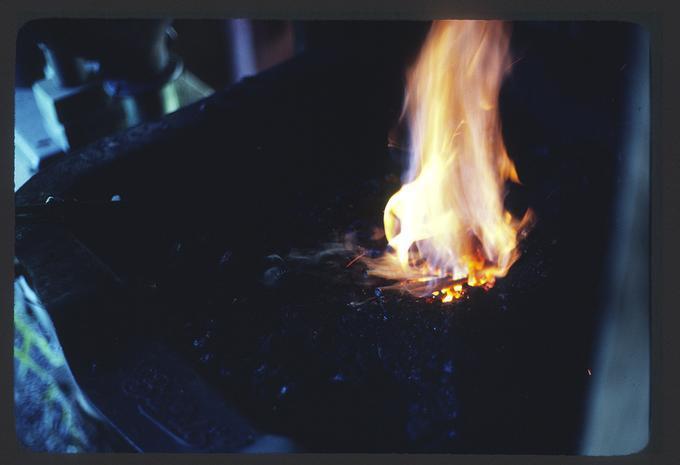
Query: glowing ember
column 447, row 227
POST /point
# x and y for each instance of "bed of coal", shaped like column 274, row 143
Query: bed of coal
column 286, row 324
column 301, row 343
column 233, row 261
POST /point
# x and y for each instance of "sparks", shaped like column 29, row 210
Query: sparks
column 354, row 260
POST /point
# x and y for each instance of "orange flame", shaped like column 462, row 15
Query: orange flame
column 447, row 226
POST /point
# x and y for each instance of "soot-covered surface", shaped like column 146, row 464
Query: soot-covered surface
column 305, row 346
column 307, row 349
column 222, row 258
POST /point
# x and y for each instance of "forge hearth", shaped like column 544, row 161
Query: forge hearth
column 216, row 277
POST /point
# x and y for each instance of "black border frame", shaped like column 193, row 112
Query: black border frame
column 656, row 15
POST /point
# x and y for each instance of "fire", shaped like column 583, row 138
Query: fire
column 447, row 227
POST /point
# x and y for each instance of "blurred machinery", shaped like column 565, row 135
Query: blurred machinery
column 78, row 81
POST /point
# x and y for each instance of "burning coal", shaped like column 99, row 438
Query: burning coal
column 447, row 227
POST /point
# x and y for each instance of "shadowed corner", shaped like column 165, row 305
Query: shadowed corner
column 51, row 412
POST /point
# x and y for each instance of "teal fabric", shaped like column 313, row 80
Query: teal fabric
column 51, row 412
